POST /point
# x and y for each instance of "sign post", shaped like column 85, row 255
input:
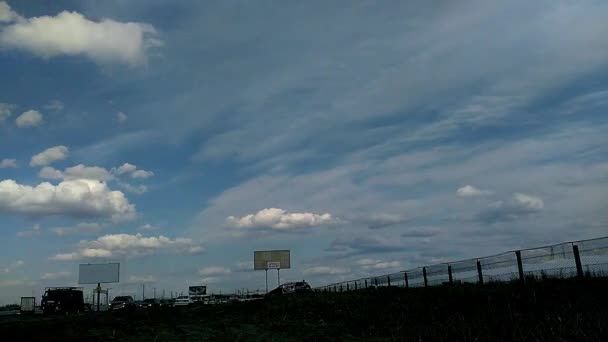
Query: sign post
column 98, row 274
column 268, row 260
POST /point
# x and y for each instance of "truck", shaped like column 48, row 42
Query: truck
column 62, row 300
column 28, row 305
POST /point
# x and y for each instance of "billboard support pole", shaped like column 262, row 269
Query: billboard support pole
column 98, row 294
column 278, row 277
column 266, row 281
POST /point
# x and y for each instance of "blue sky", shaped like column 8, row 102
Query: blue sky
column 177, row 137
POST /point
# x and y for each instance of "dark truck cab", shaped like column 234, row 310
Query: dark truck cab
column 62, row 300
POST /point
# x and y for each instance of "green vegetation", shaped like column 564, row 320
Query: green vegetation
column 548, row 310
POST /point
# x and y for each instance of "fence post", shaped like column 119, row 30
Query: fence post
column 376, row 281
column 365, row 283
column 355, row 285
column 479, row 272
column 577, row 260
column 426, row 282
column 341, row 288
column 389, row 280
column 520, row 266
column 450, row 274
column 347, row 287
column 407, row 283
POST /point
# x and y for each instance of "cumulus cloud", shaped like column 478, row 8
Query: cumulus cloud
column 49, row 172
column 132, row 170
column 31, row 118
column 376, row 264
column 80, row 228
column 136, row 189
column 35, row 231
column 72, row 34
column 50, row 155
column 214, row 271
column 471, row 191
column 121, row 117
column 279, row 219
column 8, row 163
column 55, row 275
column 74, row 198
column 7, row 15
column 517, row 207
column 128, row 245
column 326, row 270
column 6, row 110
column 79, row 171
column 147, row 226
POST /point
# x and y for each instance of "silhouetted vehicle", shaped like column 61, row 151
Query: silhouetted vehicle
column 169, row 303
column 183, row 301
column 150, row 303
column 122, row 303
column 298, row 287
column 62, row 300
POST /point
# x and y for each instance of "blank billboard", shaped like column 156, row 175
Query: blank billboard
column 98, row 273
column 263, row 260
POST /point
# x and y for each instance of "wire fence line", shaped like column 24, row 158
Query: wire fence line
column 584, row 258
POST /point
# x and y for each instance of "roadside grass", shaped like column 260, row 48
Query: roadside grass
column 540, row 310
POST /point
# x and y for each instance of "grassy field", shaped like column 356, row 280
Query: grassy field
column 550, row 310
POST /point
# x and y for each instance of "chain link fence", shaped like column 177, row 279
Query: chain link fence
column 585, row 258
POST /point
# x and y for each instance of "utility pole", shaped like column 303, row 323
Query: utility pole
column 143, row 292
column 155, row 293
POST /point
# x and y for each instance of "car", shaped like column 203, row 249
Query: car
column 150, row 303
column 62, row 300
column 169, row 303
column 183, row 301
column 298, row 287
column 122, row 303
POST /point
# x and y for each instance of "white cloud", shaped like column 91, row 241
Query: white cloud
column 131, row 169
column 50, row 155
column 81, row 171
column 121, row 117
column 55, row 275
column 49, row 172
column 8, row 163
column 471, row 191
column 75, row 198
column 136, row 189
column 125, row 168
column 31, row 118
column 55, row 106
column 6, row 110
column 214, row 271
column 128, row 245
column 517, row 207
column 35, row 231
column 326, row 270
column 279, row 219
column 7, row 15
column 142, row 174
column 147, row 226
column 17, row 264
column 72, row 34
column 375, row 264
column 80, row 228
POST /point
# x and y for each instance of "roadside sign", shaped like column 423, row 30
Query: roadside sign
column 271, row 265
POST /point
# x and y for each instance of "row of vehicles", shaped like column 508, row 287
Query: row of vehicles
column 71, row 299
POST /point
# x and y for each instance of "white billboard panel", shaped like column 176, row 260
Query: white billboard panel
column 98, row 273
column 263, row 260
